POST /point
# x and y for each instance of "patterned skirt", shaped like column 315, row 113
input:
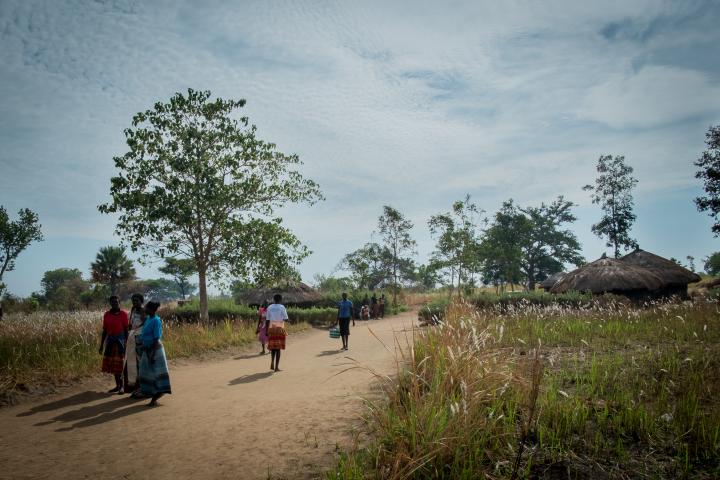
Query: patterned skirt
column 262, row 334
column 276, row 338
column 132, row 361
column 154, row 376
column 113, row 356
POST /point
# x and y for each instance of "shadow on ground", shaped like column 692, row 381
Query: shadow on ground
column 254, row 377
column 77, row 399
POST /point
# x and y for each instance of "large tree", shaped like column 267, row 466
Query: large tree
column 613, row 192
column 198, row 183
column 712, row 264
column 546, row 246
column 180, row 269
column 709, row 173
column 394, row 230
column 15, row 236
column 457, row 234
column 112, row 268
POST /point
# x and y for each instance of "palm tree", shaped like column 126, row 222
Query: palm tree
column 111, row 267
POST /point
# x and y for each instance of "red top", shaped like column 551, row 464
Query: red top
column 115, row 323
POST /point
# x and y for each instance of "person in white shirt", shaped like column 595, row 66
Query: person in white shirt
column 275, row 318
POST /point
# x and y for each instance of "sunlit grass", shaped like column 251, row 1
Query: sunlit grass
column 52, row 347
column 625, row 392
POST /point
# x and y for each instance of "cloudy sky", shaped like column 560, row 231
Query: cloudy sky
column 411, row 104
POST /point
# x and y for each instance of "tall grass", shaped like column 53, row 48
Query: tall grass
column 624, row 393
column 51, row 347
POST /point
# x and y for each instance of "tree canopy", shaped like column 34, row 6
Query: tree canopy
column 613, row 192
column 15, row 236
column 197, row 182
column 180, row 269
column 394, row 230
column 709, row 173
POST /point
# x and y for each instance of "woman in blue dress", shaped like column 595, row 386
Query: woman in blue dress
column 154, row 376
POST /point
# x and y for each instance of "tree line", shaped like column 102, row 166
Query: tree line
column 198, row 184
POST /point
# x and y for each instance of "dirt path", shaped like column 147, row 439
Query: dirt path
column 225, row 418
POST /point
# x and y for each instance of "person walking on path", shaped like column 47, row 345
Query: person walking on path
column 261, row 329
column 132, row 350
column 345, row 309
column 381, row 305
column 276, row 316
column 154, row 375
column 374, row 306
column 113, row 341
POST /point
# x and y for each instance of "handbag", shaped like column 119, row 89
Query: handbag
column 334, row 332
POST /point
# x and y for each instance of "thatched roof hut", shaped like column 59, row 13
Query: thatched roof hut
column 608, row 275
column 670, row 272
column 675, row 278
column 295, row 294
column 548, row 283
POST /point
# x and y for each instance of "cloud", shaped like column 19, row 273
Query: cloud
column 412, row 105
column 655, row 95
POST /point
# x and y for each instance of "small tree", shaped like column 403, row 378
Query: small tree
column 368, row 266
column 198, row 183
column 395, row 229
column 180, row 269
column 458, row 241
column 111, row 268
column 712, row 264
column 15, row 237
column 691, row 262
column 613, row 191
column 501, row 249
column 63, row 288
column 545, row 245
column 709, row 173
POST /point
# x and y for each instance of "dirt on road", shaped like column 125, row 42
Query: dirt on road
column 227, row 419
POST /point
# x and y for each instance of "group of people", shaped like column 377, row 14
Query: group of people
column 132, row 350
column 372, row 307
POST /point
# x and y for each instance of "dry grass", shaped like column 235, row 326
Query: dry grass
column 47, row 348
column 624, row 393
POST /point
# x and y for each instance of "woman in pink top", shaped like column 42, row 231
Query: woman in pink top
column 261, row 329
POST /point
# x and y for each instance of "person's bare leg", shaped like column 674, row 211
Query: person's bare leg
column 272, row 359
column 154, row 400
column 277, row 361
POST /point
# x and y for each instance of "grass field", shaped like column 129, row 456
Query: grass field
column 47, row 348
column 551, row 392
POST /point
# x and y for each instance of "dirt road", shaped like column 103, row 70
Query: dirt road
column 230, row 418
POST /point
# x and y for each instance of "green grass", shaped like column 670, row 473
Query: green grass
column 46, row 348
column 221, row 310
column 623, row 393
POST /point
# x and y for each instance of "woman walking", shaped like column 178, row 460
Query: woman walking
column 154, row 376
column 261, row 329
column 345, row 308
column 134, row 345
column 276, row 316
column 113, row 341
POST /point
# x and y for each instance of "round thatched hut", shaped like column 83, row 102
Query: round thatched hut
column 674, row 277
column 608, row 275
column 294, row 295
column 548, row 283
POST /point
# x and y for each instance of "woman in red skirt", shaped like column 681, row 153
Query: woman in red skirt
column 276, row 316
column 113, row 342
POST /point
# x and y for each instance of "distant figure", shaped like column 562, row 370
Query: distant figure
column 113, row 341
column 381, row 305
column 374, row 306
column 134, row 346
column 261, row 329
column 345, row 308
column 276, row 316
column 154, row 375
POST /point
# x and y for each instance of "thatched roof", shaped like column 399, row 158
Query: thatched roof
column 608, row 275
column 672, row 274
column 293, row 294
column 548, row 283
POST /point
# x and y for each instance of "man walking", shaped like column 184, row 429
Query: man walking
column 345, row 308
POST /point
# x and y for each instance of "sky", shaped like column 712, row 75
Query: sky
column 408, row 104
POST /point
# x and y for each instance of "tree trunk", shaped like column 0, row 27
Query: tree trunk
column 202, row 281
